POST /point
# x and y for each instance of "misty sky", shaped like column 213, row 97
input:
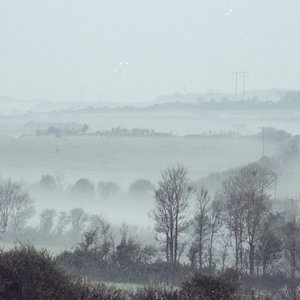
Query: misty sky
column 135, row 50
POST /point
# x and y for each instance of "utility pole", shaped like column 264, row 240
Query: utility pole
column 81, row 93
column 244, row 83
column 237, row 73
column 236, row 85
column 263, row 141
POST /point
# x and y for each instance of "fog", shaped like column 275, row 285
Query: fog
column 134, row 51
column 99, row 98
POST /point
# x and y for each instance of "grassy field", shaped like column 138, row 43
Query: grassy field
column 124, row 159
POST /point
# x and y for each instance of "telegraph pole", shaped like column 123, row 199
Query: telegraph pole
column 244, row 84
column 237, row 73
column 236, row 84
column 263, row 141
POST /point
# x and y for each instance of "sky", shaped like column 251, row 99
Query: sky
column 129, row 51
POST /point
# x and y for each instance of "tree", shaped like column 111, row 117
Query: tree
column 234, row 215
column 141, row 187
column 131, row 252
column 15, row 206
column 62, row 222
column 47, row 220
column 107, row 189
column 105, row 236
column 268, row 250
column 78, row 220
column 214, row 225
column 247, row 207
column 84, row 186
column 207, row 223
column 201, row 221
column 171, row 202
column 291, row 230
column 48, row 182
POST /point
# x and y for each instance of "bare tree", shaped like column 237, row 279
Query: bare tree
column 247, row 206
column 78, row 220
column 171, row 202
column 215, row 224
column 15, row 206
column 207, row 223
column 225, row 244
column 234, row 215
column 292, row 244
column 63, row 221
column 256, row 180
column 105, row 236
column 47, row 220
column 291, row 232
column 201, row 221
column 268, row 252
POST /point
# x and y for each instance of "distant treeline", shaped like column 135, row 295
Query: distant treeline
column 83, row 130
column 290, row 100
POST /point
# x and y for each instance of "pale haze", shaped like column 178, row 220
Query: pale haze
column 135, row 50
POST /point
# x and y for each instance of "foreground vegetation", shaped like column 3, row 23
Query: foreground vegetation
column 26, row 273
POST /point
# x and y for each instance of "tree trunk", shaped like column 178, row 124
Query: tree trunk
column 251, row 259
column 167, row 247
column 293, row 263
column 241, row 249
column 210, row 251
column 236, row 253
column 200, row 254
column 176, row 241
column 171, row 245
column 264, row 266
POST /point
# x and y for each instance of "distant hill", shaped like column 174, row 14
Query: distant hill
column 259, row 95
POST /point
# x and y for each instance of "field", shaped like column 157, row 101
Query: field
column 124, row 159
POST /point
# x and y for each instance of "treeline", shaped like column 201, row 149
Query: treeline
column 64, row 131
column 84, row 188
column 290, row 100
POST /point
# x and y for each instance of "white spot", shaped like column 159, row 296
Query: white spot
column 229, row 12
column 122, row 63
column 115, row 70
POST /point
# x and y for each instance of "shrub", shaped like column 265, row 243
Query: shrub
column 26, row 273
column 157, row 292
column 202, row 286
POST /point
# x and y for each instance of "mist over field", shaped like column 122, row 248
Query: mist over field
column 150, row 142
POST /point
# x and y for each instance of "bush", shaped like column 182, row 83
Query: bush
column 157, row 292
column 26, row 273
column 203, row 286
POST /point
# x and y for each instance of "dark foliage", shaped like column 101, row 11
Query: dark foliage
column 26, row 273
column 202, row 286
